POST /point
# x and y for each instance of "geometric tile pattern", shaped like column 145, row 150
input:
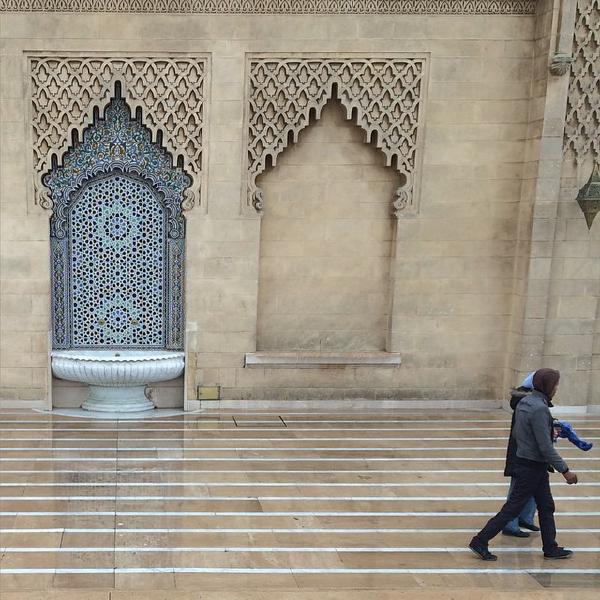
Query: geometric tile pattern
column 117, row 238
column 117, row 265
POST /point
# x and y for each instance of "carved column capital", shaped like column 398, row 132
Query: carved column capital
column 560, row 64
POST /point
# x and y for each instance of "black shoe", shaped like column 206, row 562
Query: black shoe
column 518, row 533
column 558, row 552
column 529, row 526
column 481, row 551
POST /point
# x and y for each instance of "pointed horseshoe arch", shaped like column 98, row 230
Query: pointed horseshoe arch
column 384, row 96
column 117, row 236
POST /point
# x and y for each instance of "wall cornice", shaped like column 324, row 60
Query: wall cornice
column 294, row 7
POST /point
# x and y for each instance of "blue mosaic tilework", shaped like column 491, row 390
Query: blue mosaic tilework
column 117, row 262
column 117, row 239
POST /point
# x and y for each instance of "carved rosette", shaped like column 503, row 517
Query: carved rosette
column 170, row 92
column 294, row 7
column 582, row 127
column 383, row 96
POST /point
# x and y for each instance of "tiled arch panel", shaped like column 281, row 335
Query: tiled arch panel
column 117, row 239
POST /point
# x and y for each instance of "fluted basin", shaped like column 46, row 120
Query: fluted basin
column 117, row 379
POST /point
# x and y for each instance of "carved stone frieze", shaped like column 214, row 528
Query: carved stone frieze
column 582, row 127
column 383, row 96
column 169, row 91
column 511, row 7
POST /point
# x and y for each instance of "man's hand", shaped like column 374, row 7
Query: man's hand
column 570, row 477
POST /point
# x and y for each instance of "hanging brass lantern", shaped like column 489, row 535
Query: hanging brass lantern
column 589, row 197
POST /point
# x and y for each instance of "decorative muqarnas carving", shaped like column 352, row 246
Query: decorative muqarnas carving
column 169, row 91
column 519, row 7
column 384, row 96
column 582, row 128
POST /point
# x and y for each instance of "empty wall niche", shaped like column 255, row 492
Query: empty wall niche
column 326, row 240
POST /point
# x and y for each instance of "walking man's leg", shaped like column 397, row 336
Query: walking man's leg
column 527, row 515
column 525, row 484
column 545, row 504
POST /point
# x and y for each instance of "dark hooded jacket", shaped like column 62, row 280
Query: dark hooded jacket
column 533, row 432
column 516, row 395
column 544, row 381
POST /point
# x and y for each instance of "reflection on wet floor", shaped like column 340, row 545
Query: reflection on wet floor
column 291, row 504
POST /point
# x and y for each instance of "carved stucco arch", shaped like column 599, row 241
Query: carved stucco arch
column 170, row 91
column 384, row 96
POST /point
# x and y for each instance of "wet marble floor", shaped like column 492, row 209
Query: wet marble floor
column 263, row 506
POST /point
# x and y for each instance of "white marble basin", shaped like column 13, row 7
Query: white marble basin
column 117, row 378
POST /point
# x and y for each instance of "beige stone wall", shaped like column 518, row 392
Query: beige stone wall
column 570, row 329
column 530, row 276
column 452, row 266
column 555, row 320
column 572, row 340
column 24, row 255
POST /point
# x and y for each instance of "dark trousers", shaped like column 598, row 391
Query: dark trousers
column 531, row 479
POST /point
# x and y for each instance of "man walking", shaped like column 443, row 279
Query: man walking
column 535, row 457
column 525, row 517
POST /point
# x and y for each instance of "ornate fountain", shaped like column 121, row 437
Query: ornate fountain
column 117, row 380
column 117, row 258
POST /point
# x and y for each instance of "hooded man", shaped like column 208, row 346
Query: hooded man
column 525, row 517
column 535, row 456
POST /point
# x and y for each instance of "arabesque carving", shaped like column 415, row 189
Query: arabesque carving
column 383, row 96
column 582, row 127
column 462, row 7
column 169, row 91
